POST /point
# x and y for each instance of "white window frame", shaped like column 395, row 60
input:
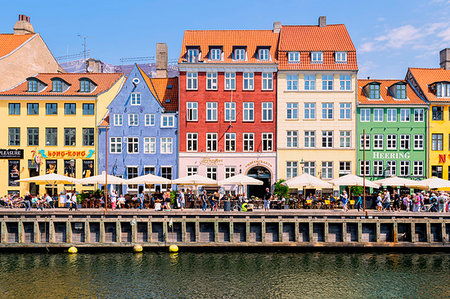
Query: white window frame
column 167, row 121
column 211, row 172
column 405, row 168
column 230, row 171
column 212, row 139
column 418, row 142
column 291, row 169
column 361, row 141
column 166, row 145
column 419, row 115
column 310, row 111
column 391, row 142
column 364, row 115
column 267, row 111
column 405, row 115
column 291, row 82
column 135, row 98
column 292, row 139
column 405, row 141
column 191, row 81
column 248, row 142
column 248, row 81
column 133, row 141
column 378, row 115
column 418, row 168
column 149, row 120
column 310, row 82
column 378, row 168
column 345, row 82
column 230, row 81
column 316, row 57
column 267, row 81
column 294, row 57
column 392, row 115
column 326, row 79
column 191, row 139
column 191, row 170
column 230, row 142
column 326, row 109
column 309, row 139
column 192, row 111
column 211, row 111
column 345, row 167
column 215, row 54
column 378, row 141
column 345, row 139
column 267, row 142
column 230, row 111
column 327, row 170
column 391, row 167
column 327, row 136
column 291, row 111
column 263, row 54
column 248, row 114
column 309, row 167
column 211, row 80
column 115, row 145
column 118, row 120
column 345, row 109
column 364, row 166
column 340, row 57
column 133, row 119
column 149, row 145
column 239, row 54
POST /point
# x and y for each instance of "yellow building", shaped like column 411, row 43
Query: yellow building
column 316, row 103
column 49, row 124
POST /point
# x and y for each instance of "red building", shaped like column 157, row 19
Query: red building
column 228, row 105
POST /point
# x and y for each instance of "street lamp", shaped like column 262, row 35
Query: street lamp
column 72, row 164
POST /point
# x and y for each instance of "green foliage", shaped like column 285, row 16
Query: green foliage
column 98, row 193
column 356, row 190
column 281, row 190
column 173, row 196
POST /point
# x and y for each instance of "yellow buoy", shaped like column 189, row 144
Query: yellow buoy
column 137, row 248
column 173, row 248
column 72, row 250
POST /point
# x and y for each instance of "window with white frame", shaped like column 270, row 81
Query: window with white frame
column 309, row 167
column 345, row 82
column 327, row 110
column 166, row 145
column 378, row 168
column 404, row 141
column 132, row 172
column 392, row 115
column 211, row 111
column 340, row 57
column 230, row 81
column 167, row 121
column 418, row 168
column 149, row 120
column 316, row 57
column 327, row 139
column 294, row 57
column 191, row 111
column 230, row 111
column 378, row 141
column 191, row 81
column 344, row 168
column 133, row 119
column 364, row 115
column 327, row 82
column 310, row 82
column 192, row 142
column 292, row 82
column 418, row 142
column 345, row 110
column 267, row 111
column 263, row 54
column 405, row 115
column 327, row 170
column 419, row 115
column 149, row 145
column 404, row 168
column 149, row 170
column 248, row 81
column 211, row 172
column 391, row 142
column 291, row 169
column 133, row 145
column 249, row 140
column 437, row 142
column 211, row 142
column 310, row 110
column 378, row 115
column 230, row 142
column 267, row 142
column 291, row 110
column 364, row 167
column 292, row 139
column 115, row 145
column 118, row 119
column 166, row 172
column 211, row 81
column 267, row 81
column 310, row 139
column 391, row 168
column 135, row 98
column 192, row 55
column 366, row 140
column 215, row 54
column 442, row 89
column 230, row 171
column 249, row 114
column 191, row 170
column 239, row 54
column 345, row 139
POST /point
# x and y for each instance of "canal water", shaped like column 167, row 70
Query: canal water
column 225, row 275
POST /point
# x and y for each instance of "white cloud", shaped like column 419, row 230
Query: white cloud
column 366, row 47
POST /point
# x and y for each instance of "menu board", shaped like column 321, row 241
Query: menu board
column 14, row 172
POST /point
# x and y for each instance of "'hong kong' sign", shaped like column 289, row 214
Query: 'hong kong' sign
column 66, row 154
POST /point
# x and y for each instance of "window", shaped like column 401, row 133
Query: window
column 345, row 139
column 340, row 57
column 118, row 119
column 167, row 121
column 149, row 170
column 132, row 172
column 192, row 79
column 51, row 109
column 327, row 110
column 51, row 136
column 436, row 171
column 57, row 86
column 366, row 140
column 211, row 81
column 405, row 142
column 230, row 172
column 316, row 57
column 32, row 109
column 364, row 167
column 263, row 54
column 149, row 145
column 294, row 57
column 211, row 111
column 345, row 110
column 344, row 168
column 14, row 109
column 211, row 173
column 135, row 98
column 327, row 82
column 405, row 115
column 248, row 81
column 378, row 115
column 374, row 91
column 437, row 113
column 33, row 136
column 309, row 168
column 239, row 54
column 14, row 136
column 391, row 142
column 192, row 55
column 166, row 145
column 149, row 120
column 310, row 111
column 85, row 85
column 267, row 81
column 166, row 172
column 248, row 111
column 291, row 169
column 327, row 170
column 133, row 119
column 292, row 82
column 267, row 112
column 291, row 111
column 378, row 168
column 392, row 115
column 418, row 168
column 400, row 91
column 310, row 139
column 69, row 137
column 191, row 170
column 88, row 109
column 230, row 142
column 32, row 86
column 327, row 139
column 70, row 109
column 215, row 54
column 443, row 90
column 419, row 115
column 345, row 82
column 192, row 142
column 364, row 115
column 192, row 111
column 391, row 168
column 404, row 168
column 133, row 145
column 230, row 81
column 418, row 142
column 378, row 141
column 115, row 145
column 310, row 82
column 249, row 140
column 88, row 137
column 292, row 139
column 211, row 142
column 230, row 111
column 437, row 142
column 267, row 142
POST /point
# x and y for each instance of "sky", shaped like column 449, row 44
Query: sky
column 389, row 36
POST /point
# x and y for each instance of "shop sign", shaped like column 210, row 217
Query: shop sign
column 258, row 162
column 11, row 153
column 443, row 158
column 66, row 154
column 210, row 161
column 14, row 172
column 378, row 155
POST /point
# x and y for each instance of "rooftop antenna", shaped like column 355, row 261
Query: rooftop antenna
column 84, row 37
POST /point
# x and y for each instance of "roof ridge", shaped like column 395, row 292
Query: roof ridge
column 427, row 68
column 197, row 30
column 312, row 25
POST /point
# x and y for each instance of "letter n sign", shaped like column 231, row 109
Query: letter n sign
column 442, row 158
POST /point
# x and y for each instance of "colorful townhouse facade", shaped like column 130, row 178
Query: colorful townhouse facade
column 394, row 120
column 142, row 125
column 317, row 83
column 50, row 126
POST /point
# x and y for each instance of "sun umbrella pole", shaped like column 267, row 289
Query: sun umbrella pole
column 106, row 169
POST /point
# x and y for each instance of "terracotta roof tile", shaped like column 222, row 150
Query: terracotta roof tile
column 412, row 98
column 10, row 42
column 427, row 76
column 105, row 121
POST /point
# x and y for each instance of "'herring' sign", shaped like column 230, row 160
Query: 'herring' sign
column 11, row 153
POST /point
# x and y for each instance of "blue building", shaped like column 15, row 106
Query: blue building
column 142, row 124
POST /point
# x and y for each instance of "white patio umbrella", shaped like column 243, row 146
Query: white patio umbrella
column 241, row 180
column 194, row 180
column 400, row 182
column 306, row 180
column 51, row 179
column 436, row 183
column 101, row 179
column 353, row 180
column 148, row 179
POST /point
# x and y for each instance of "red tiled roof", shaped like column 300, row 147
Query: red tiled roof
column 227, row 39
column 104, row 81
column 105, row 121
column 412, row 98
column 425, row 77
column 10, row 42
column 165, row 90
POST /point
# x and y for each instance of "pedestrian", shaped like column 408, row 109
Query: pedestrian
column 344, row 199
column 379, row 202
column 212, row 201
column 396, row 197
column 166, row 198
column 113, row 199
column 359, row 202
column 50, row 201
column 267, row 197
column 141, row 198
column 181, row 200
column 27, row 201
column 203, row 198
column 442, row 201
column 73, row 202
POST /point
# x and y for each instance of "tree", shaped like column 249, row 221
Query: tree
column 356, row 190
column 280, row 189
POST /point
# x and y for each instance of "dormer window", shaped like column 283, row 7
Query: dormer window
column 192, row 55
column 239, row 54
column 263, row 54
column 400, row 91
column 316, row 57
column 341, row 57
column 32, row 86
column 57, row 86
column 215, row 54
column 85, row 85
column 294, row 57
column 374, row 91
column 443, row 89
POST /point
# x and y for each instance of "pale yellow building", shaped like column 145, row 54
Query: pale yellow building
column 316, row 102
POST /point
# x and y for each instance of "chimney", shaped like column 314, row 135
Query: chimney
column 94, row 66
column 445, row 59
column 322, row 21
column 23, row 26
column 161, row 60
column 276, row 27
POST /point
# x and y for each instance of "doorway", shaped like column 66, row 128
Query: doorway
column 260, row 173
column 34, row 188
